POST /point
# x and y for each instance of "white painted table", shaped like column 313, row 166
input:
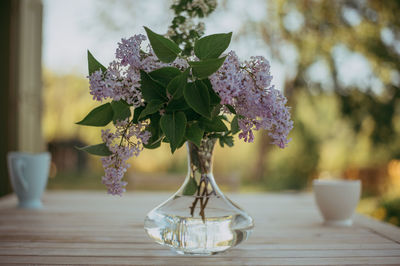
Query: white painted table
column 94, row 228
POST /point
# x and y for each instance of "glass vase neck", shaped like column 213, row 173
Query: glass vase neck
column 200, row 158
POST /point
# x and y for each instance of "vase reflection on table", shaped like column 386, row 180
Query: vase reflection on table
column 199, row 219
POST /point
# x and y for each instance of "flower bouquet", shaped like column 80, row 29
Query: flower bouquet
column 164, row 90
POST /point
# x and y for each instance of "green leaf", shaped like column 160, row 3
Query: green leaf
column 214, row 98
column 94, row 65
column 99, row 116
column 197, row 97
column 228, row 140
column 177, row 105
column 191, row 115
column 164, row 75
column 235, row 125
column 136, row 114
column 190, row 187
column 153, row 146
column 183, row 141
column 194, row 133
column 224, row 118
column 154, row 129
column 151, row 107
column 212, row 46
column 230, row 108
column 221, row 142
column 216, row 110
column 98, row 149
column 173, row 125
column 165, row 49
column 151, row 90
column 121, row 110
column 203, row 69
column 176, row 85
column 214, row 125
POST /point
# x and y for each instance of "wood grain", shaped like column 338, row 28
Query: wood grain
column 97, row 229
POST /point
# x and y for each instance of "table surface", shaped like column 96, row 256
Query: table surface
column 95, row 228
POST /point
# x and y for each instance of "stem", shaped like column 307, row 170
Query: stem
column 203, row 197
column 200, row 161
column 123, row 137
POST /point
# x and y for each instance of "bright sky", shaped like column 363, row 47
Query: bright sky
column 71, row 27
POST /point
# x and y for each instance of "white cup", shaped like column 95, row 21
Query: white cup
column 28, row 174
column 337, row 200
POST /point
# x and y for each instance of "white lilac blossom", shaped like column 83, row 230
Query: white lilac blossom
column 247, row 87
column 204, row 5
column 126, row 141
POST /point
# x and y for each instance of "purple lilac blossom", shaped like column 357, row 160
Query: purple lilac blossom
column 226, row 81
column 97, row 86
column 128, row 51
column 247, row 87
column 121, row 81
column 115, row 165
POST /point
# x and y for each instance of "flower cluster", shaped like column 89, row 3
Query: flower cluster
column 199, row 7
column 131, row 138
column 247, row 87
column 121, row 80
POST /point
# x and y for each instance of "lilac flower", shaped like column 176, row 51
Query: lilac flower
column 121, row 81
column 247, row 87
column 226, row 82
column 260, row 69
column 98, row 87
column 128, row 51
column 131, row 138
column 124, row 83
column 150, row 62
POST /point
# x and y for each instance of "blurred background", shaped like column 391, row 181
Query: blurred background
column 338, row 63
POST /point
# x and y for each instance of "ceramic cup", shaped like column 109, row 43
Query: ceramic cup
column 28, row 175
column 337, row 200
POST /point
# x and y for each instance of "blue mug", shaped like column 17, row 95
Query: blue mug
column 28, row 174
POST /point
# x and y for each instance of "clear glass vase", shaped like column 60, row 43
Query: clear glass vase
column 199, row 219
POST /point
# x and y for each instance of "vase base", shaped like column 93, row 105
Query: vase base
column 197, row 235
column 195, row 253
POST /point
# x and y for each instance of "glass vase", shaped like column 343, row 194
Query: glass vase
column 199, row 219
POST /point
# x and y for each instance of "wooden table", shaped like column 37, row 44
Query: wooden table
column 94, row 228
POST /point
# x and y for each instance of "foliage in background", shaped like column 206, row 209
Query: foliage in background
column 391, row 210
column 322, row 35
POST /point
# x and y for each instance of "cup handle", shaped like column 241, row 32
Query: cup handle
column 19, row 166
